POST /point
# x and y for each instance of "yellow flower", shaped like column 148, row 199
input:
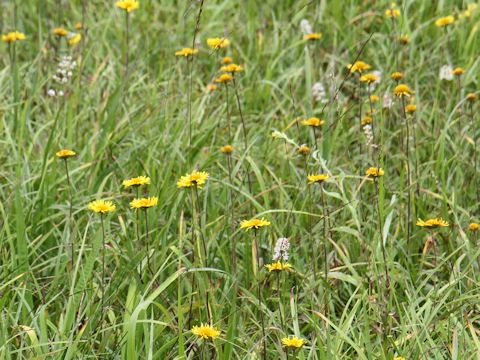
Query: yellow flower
column 136, row 181
column 102, row 206
column 472, row 97
column 224, row 78
column 211, row 87
column 366, row 120
column 74, row 38
column 278, row 266
column 399, row 358
column 313, row 121
column 218, row 43
column 397, row 75
column 404, row 39
column 227, row 149
column 358, row 66
column 317, row 178
column 186, row 52
column 60, row 31
column 432, row 223
column 13, row 36
column 128, row 5
column 254, row 224
column 402, row 90
column 232, row 68
column 293, row 342
column 374, row 172
column 79, row 26
column 374, row 98
column 65, row 153
column 227, row 60
column 205, row 331
column 312, row 36
column 392, row 13
column 196, row 178
column 444, row 21
column 304, row 150
column 144, row 203
column 458, row 71
column 411, row 108
column 473, row 226
column 369, row 78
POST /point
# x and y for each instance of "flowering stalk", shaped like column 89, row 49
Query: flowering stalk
column 409, row 193
column 259, row 294
column 325, row 246
column 103, row 266
column 70, row 212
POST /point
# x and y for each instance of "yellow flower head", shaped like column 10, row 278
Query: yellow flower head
column 60, row 31
column 399, row 358
column 102, row 206
column 293, row 342
column 128, row 5
column 79, row 26
column 205, row 332
column 359, row 66
column 397, row 75
column 473, row 226
column 312, row 36
column 458, row 71
column 65, row 153
column 392, row 12
column 304, row 150
column 369, row 78
column 472, row 97
column 186, row 52
column 374, row 98
column 218, row 43
column 231, row 68
column 136, row 181
column 278, row 266
column 313, row 121
column 196, row 178
column 227, row 149
column 432, row 223
column 411, row 108
column 144, row 203
column 444, row 21
column 74, row 38
column 13, row 36
column 404, row 39
column 374, row 172
column 366, row 120
column 317, row 178
column 402, row 90
column 211, row 87
column 227, row 60
column 254, row 224
column 224, row 78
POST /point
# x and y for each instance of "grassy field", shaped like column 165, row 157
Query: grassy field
column 353, row 273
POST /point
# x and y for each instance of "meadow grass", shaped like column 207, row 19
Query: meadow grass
column 362, row 280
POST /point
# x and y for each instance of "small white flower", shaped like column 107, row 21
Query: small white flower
column 306, row 27
column 387, row 101
column 280, row 252
column 51, row 92
column 446, row 72
column 319, row 93
column 61, row 93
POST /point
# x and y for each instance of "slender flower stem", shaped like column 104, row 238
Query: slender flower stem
column 147, row 238
column 137, row 227
column 409, row 201
column 127, row 42
column 325, row 247
column 103, row 265
column 70, row 213
column 380, row 226
column 229, row 119
column 259, row 295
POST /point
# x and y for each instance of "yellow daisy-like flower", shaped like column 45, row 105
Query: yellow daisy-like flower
column 136, row 181
column 74, row 38
column 205, row 332
column 369, row 78
column 374, row 172
column 397, row 75
column 313, row 121
column 65, row 153
column 13, row 36
column 218, row 43
column 432, row 223
column 317, row 178
column 472, row 97
column 402, row 90
column 79, row 26
column 359, row 66
column 102, row 206
column 60, row 31
column 399, row 358
column 128, row 5
column 404, row 39
column 444, row 21
column 458, row 71
column 144, row 203
column 211, row 87
column 227, row 60
column 231, row 68
column 254, row 224
column 186, row 52
column 304, row 150
column 227, row 149
column 278, row 266
column 374, row 98
column 196, row 178
column 473, row 226
column 366, row 120
column 293, row 342
column 224, row 78
column 411, row 108
column 312, row 36
column 392, row 13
